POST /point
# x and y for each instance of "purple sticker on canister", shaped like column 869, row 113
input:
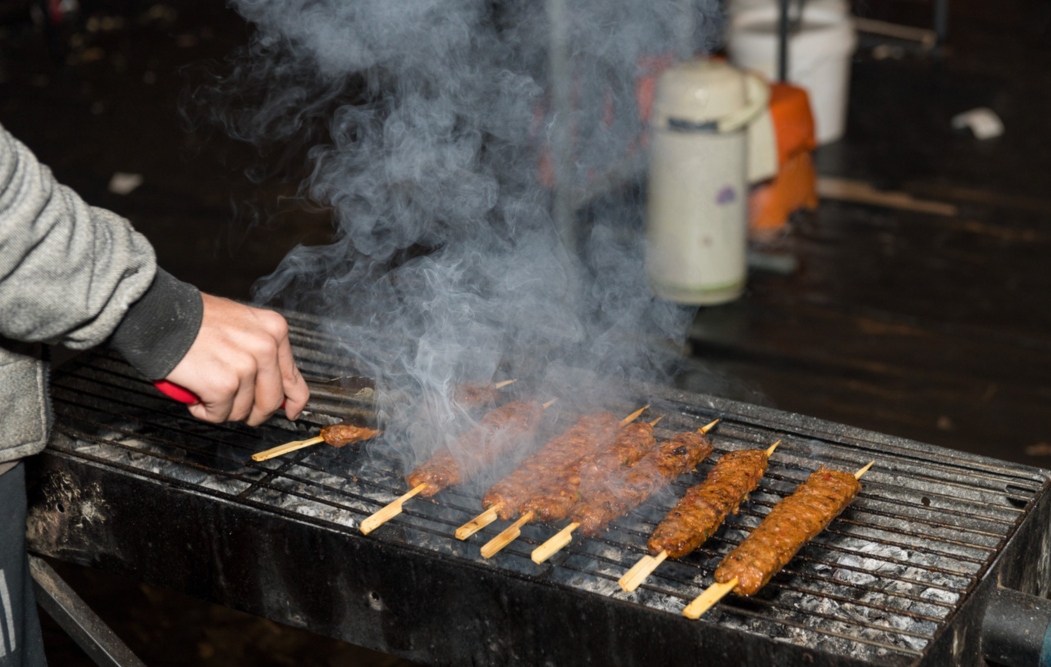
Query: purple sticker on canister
column 726, row 195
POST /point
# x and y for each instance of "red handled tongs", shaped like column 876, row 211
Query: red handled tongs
column 181, row 394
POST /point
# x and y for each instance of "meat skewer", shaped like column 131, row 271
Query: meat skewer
column 771, row 545
column 558, row 458
column 502, row 498
column 488, row 443
column 605, row 498
column 570, row 448
column 701, row 511
column 499, row 432
column 471, row 395
column 335, row 435
column 557, row 496
column 340, row 435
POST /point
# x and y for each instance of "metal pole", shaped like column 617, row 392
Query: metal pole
column 561, row 131
column 782, row 46
column 941, row 21
column 77, row 619
column 686, row 30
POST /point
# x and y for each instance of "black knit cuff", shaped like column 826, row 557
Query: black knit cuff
column 160, row 327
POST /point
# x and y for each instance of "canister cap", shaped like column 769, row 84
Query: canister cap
column 699, row 92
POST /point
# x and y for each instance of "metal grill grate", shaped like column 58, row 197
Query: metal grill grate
column 879, row 585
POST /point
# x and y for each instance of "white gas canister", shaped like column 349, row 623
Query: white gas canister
column 696, row 211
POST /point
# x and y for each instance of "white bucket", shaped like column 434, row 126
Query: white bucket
column 818, row 55
column 736, row 7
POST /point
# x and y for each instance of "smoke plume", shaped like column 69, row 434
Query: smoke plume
column 436, row 155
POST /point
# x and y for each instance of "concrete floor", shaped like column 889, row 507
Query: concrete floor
column 929, row 327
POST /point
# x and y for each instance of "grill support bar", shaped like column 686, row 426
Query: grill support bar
column 1016, row 631
column 78, row 620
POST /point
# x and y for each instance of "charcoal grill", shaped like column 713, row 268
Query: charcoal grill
column 131, row 484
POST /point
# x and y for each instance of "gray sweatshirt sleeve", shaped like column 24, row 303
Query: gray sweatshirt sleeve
column 80, row 275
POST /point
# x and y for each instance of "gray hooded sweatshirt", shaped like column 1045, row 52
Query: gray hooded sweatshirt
column 77, row 275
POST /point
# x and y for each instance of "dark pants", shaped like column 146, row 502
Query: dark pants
column 20, row 641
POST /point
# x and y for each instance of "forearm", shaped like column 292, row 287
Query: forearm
column 82, row 276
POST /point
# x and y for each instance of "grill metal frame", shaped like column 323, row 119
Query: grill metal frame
column 132, row 484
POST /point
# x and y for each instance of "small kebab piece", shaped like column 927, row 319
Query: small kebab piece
column 791, row 524
column 606, row 498
column 559, row 457
column 335, row 435
column 498, row 434
column 340, row 435
column 701, row 511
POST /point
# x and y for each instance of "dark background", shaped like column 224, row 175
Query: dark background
column 929, row 327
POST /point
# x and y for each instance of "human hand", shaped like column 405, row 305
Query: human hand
column 240, row 365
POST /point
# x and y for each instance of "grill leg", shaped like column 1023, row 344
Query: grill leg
column 88, row 630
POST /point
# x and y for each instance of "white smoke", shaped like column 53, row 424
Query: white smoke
column 447, row 266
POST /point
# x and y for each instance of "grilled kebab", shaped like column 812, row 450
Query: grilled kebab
column 552, row 461
column 558, row 494
column 603, row 498
column 792, row 523
column 498, row 434
column 478, row 396
column 560, row 459
column 704, row 507
column 341, row 435
column 701, row 511
column 336, row 435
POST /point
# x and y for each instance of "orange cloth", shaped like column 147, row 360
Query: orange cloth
column 793, row 188
column 795, row 185
column 793, row 122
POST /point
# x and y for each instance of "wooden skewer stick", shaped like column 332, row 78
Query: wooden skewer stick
column 479, row 522
column 707, row 427
column 864, row 470
column 509, row 535
column 656, row 421
column 638, row 573
column 286, row 448
column 633, row 572
column 771, row 448
column 552, row 546
column 501, row 385
column 717, row 591
column 388, row 512
column 708, row 598
column 633, row 416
